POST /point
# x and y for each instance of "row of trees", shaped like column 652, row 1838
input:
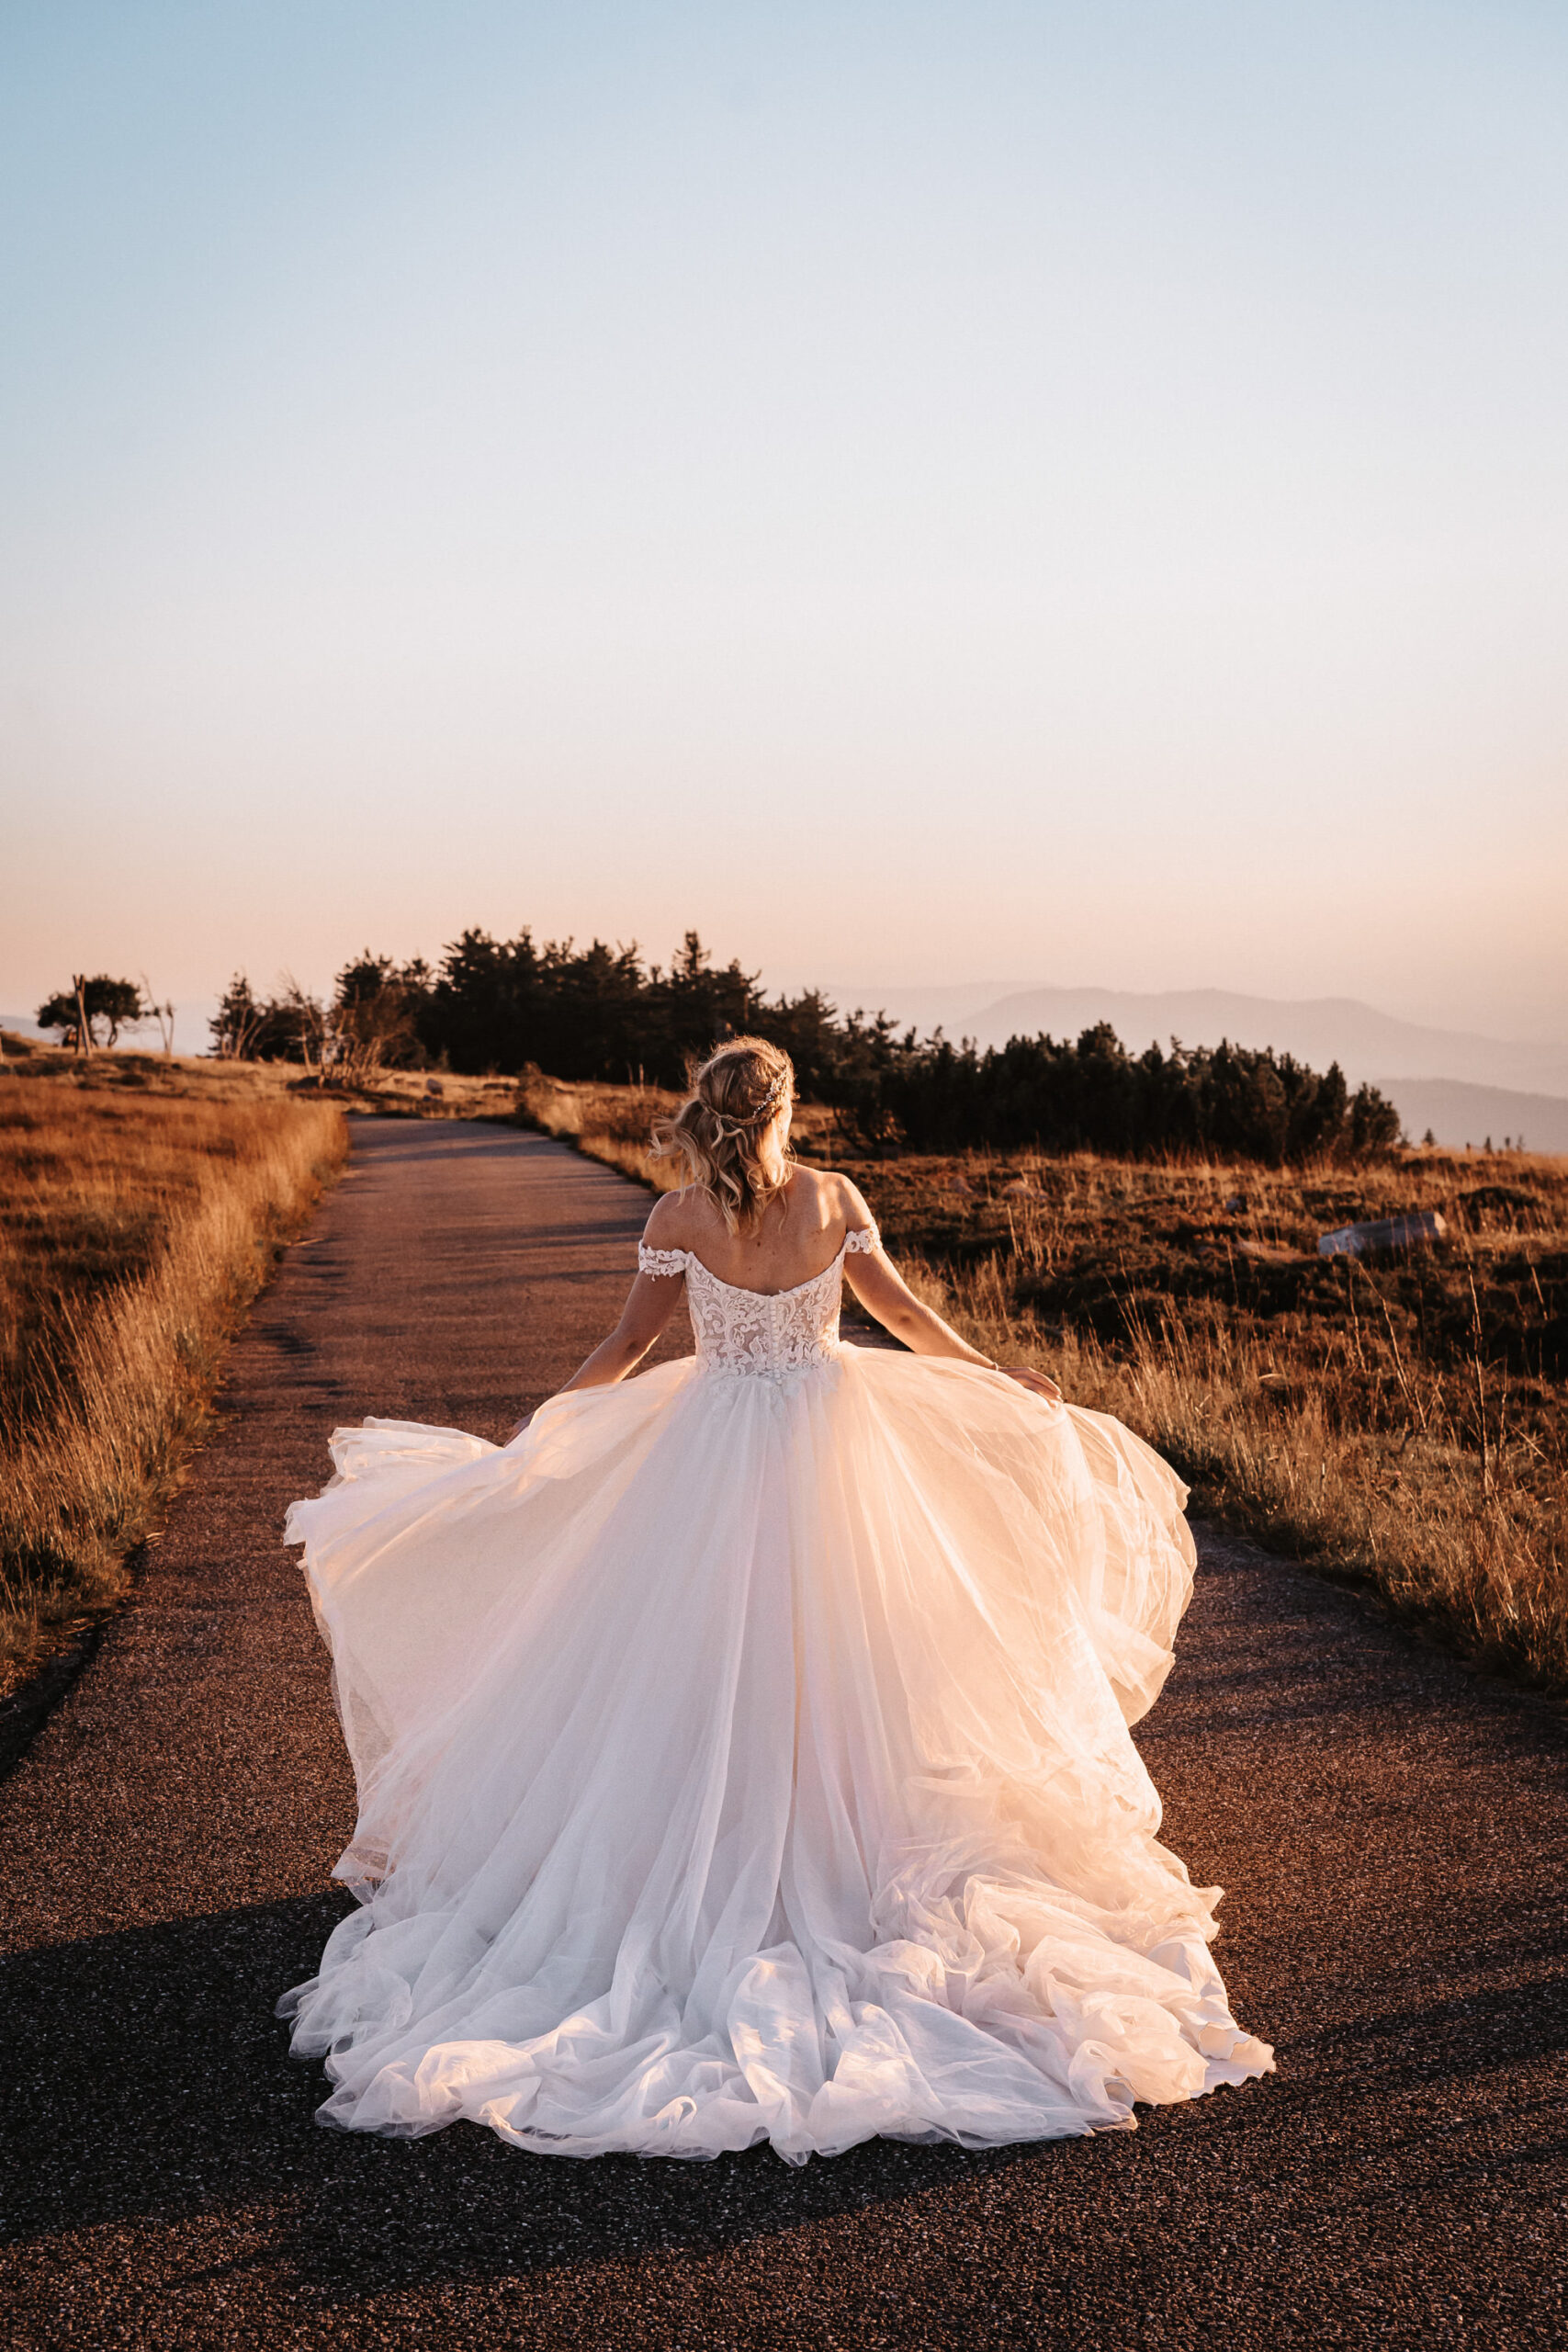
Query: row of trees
column 601, row 1012
column 500, row 1005
column 1094, row 1096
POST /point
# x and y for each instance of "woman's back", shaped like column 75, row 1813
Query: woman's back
column 798, row 1236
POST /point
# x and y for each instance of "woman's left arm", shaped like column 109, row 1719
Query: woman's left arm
column 650, row 1302
column 883, row 1291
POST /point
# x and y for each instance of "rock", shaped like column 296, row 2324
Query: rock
column 1025, row 1185
column 1410, row 1232
column 433, row 1086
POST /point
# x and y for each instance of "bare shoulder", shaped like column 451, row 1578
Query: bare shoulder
column 834, row 1199
column 856, row 1213
column 671, row 1224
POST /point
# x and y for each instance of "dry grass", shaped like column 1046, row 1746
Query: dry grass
column 137, row 1222
column 420, row 1094
column 417, row 1094
column 609, row 1123
column 128, row 1071
column 1403, row 1421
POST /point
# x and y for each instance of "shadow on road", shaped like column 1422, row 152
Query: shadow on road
column 158, row 2088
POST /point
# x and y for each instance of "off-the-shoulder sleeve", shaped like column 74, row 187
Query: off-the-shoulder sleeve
column 660, row 1261
column 864, row 1237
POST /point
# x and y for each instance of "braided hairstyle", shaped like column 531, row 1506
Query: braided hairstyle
column 719, row 1129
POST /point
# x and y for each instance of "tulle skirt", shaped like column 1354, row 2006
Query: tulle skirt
column 744, row 1760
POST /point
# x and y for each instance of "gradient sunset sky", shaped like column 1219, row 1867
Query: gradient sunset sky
column 1074, row 494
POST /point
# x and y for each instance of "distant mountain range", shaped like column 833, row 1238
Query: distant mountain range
column 1464, row 1086
column 1316, row 1030
column 1456, row 1114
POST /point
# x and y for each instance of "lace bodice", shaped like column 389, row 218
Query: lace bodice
column 747, row 1332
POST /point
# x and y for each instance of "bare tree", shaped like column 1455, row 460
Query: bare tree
column 238, row 1020
column 372, row 1016
column 305, row 1021
column 164, row 1014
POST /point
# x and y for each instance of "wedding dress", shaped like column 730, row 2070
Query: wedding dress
column 743, row 1755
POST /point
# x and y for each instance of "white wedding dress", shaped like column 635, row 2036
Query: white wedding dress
column 743, row 1755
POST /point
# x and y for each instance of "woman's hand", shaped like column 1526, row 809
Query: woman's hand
column 1035, row 1382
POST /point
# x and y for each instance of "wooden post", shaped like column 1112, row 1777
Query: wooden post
column 83, row 1034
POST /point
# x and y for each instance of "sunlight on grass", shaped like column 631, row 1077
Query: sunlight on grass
column 135, row 1225
column 1402, row 1421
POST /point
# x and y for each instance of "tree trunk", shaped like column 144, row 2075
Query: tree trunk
column 84, row 1028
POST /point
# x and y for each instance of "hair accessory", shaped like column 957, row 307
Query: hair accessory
column 768, row 1109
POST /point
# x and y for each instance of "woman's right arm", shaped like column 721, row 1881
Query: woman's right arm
column 650, row 1302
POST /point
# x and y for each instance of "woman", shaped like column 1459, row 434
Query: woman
column 742, row 1751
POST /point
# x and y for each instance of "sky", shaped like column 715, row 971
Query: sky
column 1069, row 493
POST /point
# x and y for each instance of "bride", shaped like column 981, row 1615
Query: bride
column 742, row 1751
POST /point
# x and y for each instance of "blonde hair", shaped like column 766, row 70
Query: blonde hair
column 719, row 1130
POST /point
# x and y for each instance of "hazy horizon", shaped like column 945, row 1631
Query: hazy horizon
column 962, row 1007
column 911, row 492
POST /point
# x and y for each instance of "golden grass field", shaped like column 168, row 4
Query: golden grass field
column 1403, row 1421
column 141, row 1204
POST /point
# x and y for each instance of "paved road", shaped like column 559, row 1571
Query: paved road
column 1391, row 1827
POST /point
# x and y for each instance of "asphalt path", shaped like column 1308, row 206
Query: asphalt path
column 1391, row 1829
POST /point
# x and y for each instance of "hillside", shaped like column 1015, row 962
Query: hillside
column 1459, row 1114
